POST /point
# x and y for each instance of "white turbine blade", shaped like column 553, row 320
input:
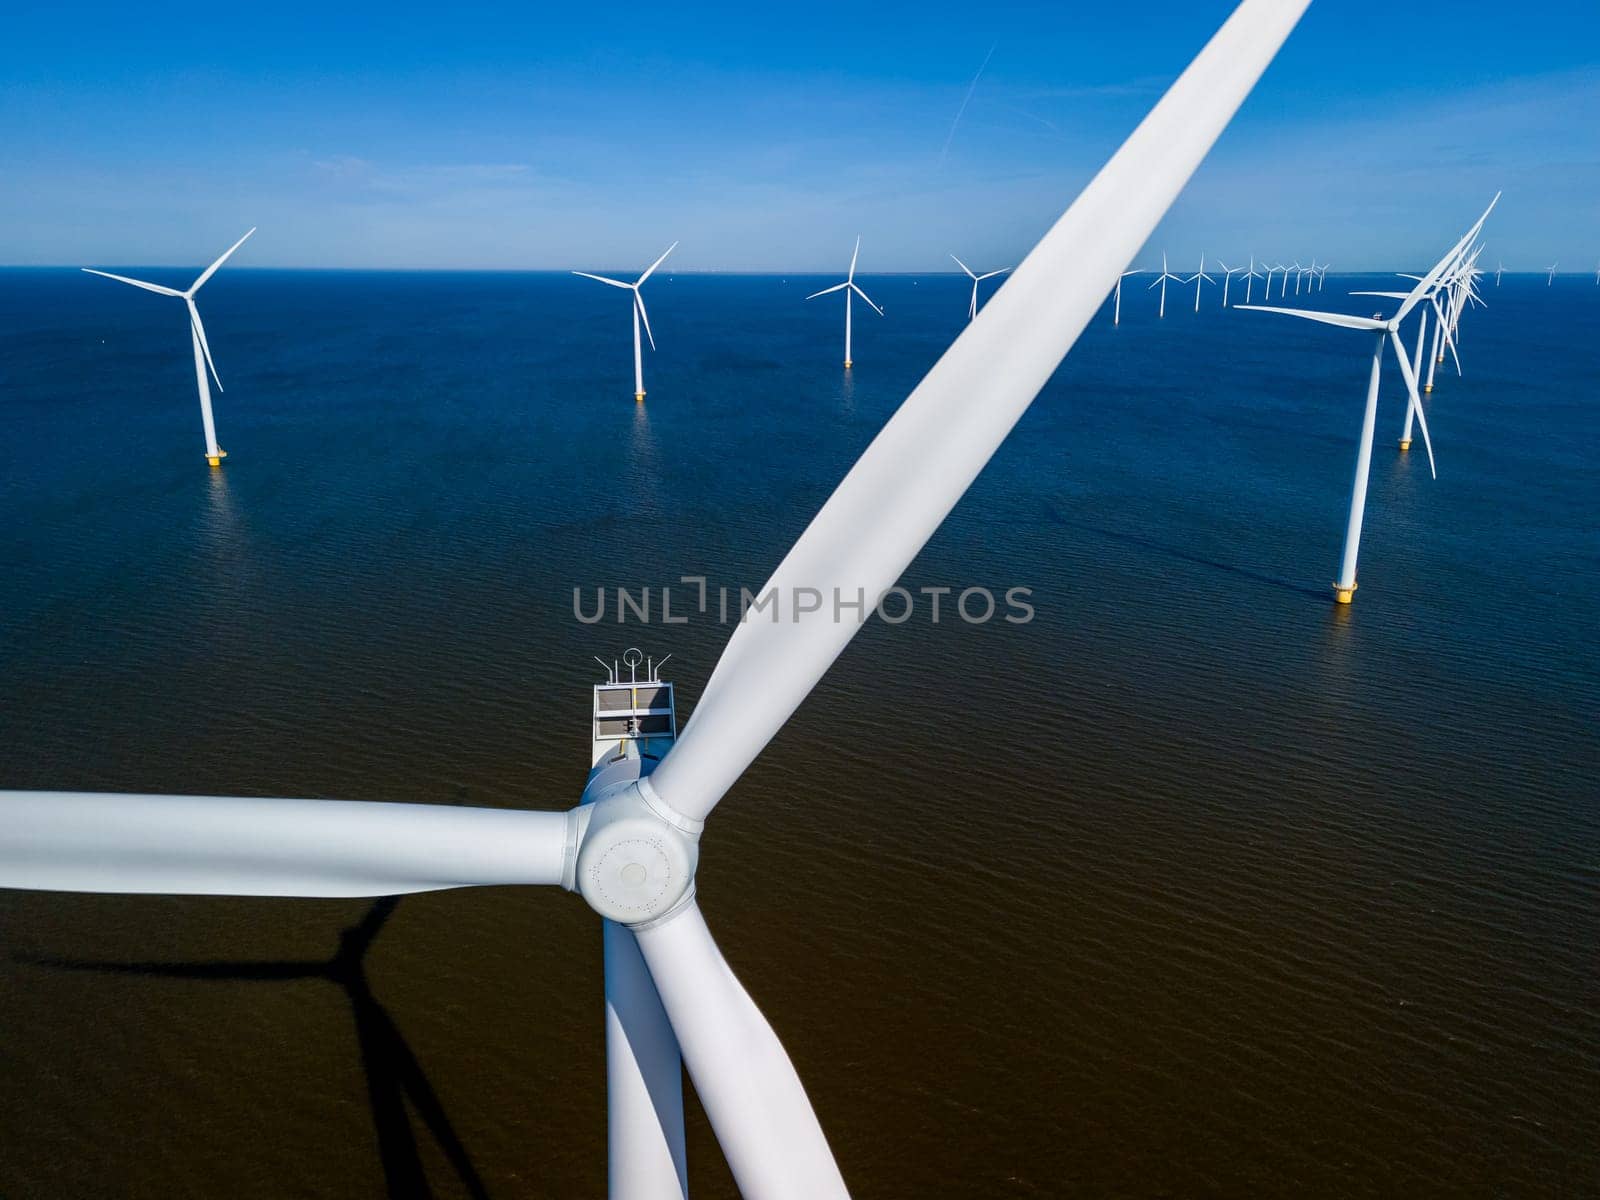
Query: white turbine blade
column 212, row 269
column 1003, row 270
column 1414, row 398
column 229, row 846
column 838, row 287
column 1327, row 318
column 854, row 254
column 757, row 1106
column 929, row 452
column 960, row 264
column 639, row 300
column 1385, row 295
column 200, row 332
column 1427, row 283
column 868, row 299
column 644, row 1080
column 138, row 283
column 651, row 269
column 603, row 279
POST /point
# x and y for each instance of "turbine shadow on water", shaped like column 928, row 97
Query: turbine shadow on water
column 392, row 1071
column 1144, row 543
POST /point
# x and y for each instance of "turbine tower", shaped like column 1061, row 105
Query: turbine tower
column 849, row 286
column 197, row 337
column 638, row 315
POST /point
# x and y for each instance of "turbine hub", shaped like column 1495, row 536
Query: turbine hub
column 633, row 865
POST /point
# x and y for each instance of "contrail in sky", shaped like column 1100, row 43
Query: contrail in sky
column 965, row 100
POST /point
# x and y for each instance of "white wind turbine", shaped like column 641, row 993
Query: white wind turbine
column 1388, row 331
column 1198, row 278
column 1250, row 277
column 1271, row 271
column 1162, row 280
column 638, row 315
column 1551, row 278
column 1322, row 276
column 631, row 847
column 1116, row 308
column 1283, row 288
column 1227, row 277
column 1498, row 267
column 197, row 336
column 849, row 286
column 972, row 308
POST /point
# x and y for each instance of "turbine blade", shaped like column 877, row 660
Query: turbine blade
column 644, row 1078
column 1426, row 284
column 603, row 279
column 200, row 332
column 1413, row 397
column 228, row 846
column 868, row 299
column 962, row 265
column 757, row 1106
column 1327, row 318
column 1385, row 295
column 651, row 269
column 1003, row 270
column 854, row 254
column 138, row 283
column 929, row 452
column 838, row 287
column 639, row 300
column 212, row 269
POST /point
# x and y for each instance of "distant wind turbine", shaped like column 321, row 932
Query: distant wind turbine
column 1227, row 277
column 1116, row 309
column 197, row 335
column 972, row 308
column 1498, row 267
column 1250, row 278
column 1162, row 280
column 847, row 287
column 1388, row 331
column 1552, row 277
column 638, row 314
column 1198, row 278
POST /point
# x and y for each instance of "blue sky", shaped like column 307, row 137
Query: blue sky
column 767, row 138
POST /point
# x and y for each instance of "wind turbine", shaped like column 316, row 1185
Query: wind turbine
column 1498, row 267
column 849, row 286
column 631, row 847
column 197, row 336
column 1552, row 276
column 1162, row 280
column 1116, row 310
column 1227, row 277
column 1322, row 276
column 1198, row 278
column 638, row 315
column 972, row 308
column 1250, row 277
column 1388, row 331
column 1283, row 288
column 1271, row 271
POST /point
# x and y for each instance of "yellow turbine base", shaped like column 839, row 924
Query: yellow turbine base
column 847, row 364
column 638, row 397
column 214, row 461
column 1343, row 595
column 1405, row 444
column 1427, row 387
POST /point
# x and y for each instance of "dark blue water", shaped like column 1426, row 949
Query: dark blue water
column 1194, row 884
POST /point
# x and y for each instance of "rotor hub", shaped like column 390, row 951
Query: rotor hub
column 632, row 865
